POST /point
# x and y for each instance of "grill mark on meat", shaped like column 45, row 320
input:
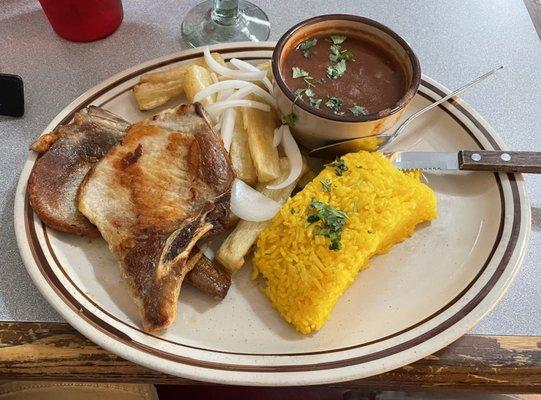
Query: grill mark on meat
column 149, row 188
column 131, row 157
column 194, row 161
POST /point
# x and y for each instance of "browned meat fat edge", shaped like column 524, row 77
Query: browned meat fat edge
column 66, row 154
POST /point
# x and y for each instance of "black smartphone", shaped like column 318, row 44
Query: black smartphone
column 11, row 95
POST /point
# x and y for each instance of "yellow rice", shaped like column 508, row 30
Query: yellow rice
column 304, row 277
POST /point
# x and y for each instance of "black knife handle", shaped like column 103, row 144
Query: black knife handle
column 500, row 161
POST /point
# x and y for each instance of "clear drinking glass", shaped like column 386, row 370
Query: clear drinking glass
column 218, row 21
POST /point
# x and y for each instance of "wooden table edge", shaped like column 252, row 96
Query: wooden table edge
column 56, row 351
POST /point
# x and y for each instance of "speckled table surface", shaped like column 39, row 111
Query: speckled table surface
column 455, row 41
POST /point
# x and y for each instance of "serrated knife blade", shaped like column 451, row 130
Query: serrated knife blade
column 427, row 160
column 471, row 160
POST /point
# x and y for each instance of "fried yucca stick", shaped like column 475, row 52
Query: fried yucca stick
column 260, row 127
column 157, row 88
column 239, row 154
column 177, row 72
column 151, row 95
column 196, row 79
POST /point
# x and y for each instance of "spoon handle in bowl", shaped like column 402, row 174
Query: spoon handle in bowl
column 500, row 161
column 406, row 122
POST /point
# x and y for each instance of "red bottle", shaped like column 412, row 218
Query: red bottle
column 83, row 20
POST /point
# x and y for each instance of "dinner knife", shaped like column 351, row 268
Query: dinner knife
column 471, row 160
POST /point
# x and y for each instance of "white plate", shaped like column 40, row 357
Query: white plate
column 420, row 297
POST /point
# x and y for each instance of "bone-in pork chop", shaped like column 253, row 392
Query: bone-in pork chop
column 68, row 153
column 152, row 197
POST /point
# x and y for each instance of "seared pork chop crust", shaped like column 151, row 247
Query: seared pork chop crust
column 152, row 197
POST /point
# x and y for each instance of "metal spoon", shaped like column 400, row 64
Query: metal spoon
column 377, row 142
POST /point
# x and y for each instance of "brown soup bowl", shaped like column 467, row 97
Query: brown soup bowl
column 314, row 127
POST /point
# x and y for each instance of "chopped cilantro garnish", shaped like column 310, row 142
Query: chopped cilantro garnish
column 333, row 222
column 289, row 119
column 358, row 110
column 315, row 102
column 326, row 185
column 335, row 50
column 303, row 91
column 298, row 93
column 338, row 39
column 339, row 166
column 305, row 47
column 334, row 103
column 296, row 72
column 337, row 70
column 338, row 54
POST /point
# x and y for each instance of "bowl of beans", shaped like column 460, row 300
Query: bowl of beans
column 339, row 77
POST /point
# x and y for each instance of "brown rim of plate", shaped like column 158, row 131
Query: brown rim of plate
column 116, row 334
column 399, row 105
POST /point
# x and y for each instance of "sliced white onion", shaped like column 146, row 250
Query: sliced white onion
column 278, row 134
column 250, row 205
column 219, row 87
column 245, row 91
column 228, row 72
column 294, row 157
column 223, row 105
column 241, row 93
column 244, row 66
column 228, row 125
column 231, row 85
column 224, row 94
